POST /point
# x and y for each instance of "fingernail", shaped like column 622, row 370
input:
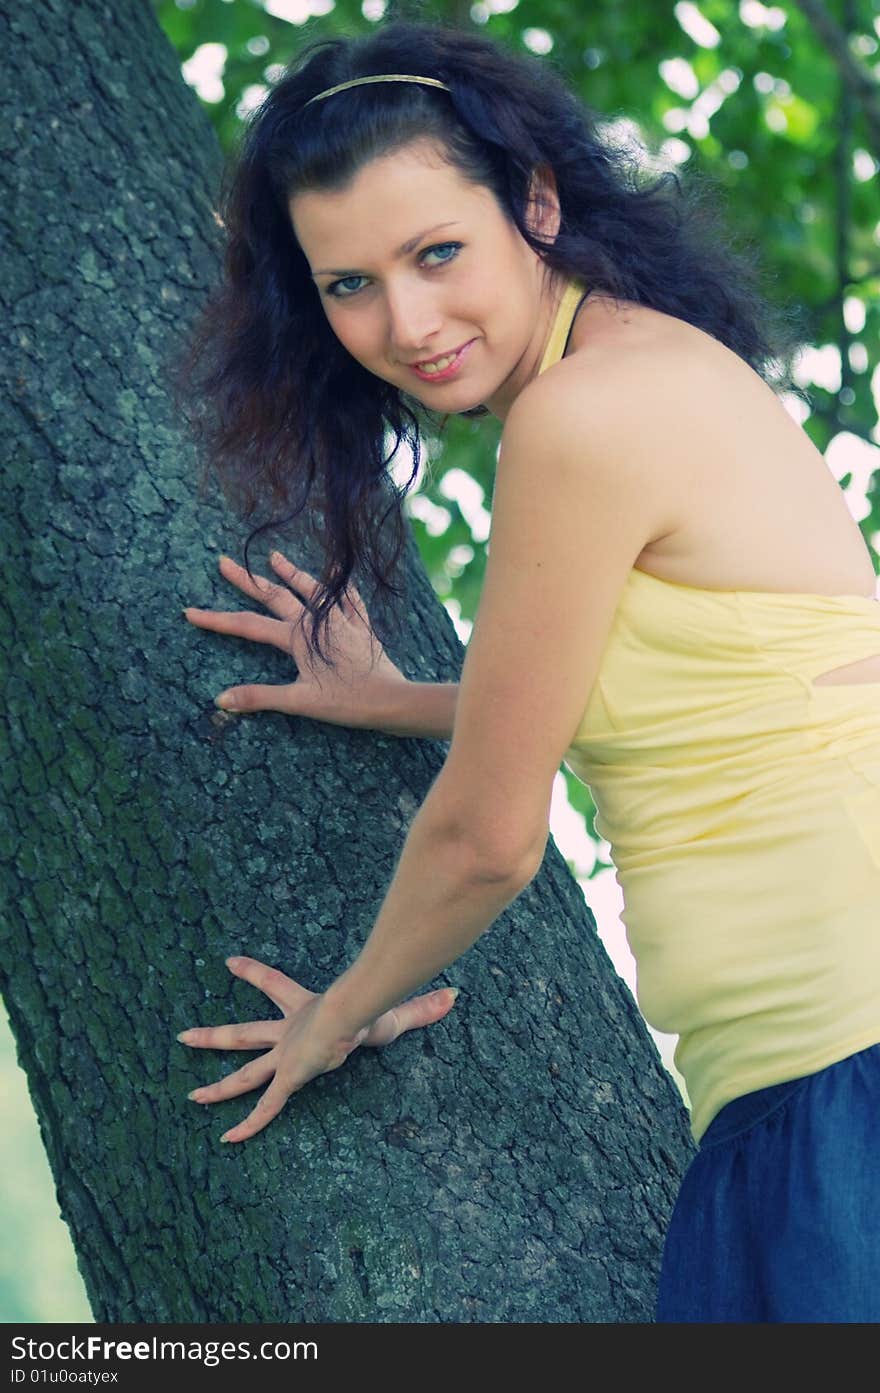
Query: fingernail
column 185, row 611
column 454, row 991
column 194, row 1095
column 233, row 962
column 185, row 1035
column 224, row 701
column 225, row 1137
column 276, row 556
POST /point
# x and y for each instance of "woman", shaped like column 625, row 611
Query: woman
column 421, row 224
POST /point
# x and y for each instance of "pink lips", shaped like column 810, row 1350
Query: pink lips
column 447, row 372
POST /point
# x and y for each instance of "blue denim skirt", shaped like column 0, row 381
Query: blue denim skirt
column 778, row 1216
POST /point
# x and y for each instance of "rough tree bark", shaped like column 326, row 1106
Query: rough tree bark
column 516, row 1162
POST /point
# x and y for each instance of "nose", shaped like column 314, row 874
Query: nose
column 414, row 322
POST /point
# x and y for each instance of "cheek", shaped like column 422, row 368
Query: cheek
column 355, row 332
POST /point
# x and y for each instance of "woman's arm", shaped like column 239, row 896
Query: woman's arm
column 448, row 888
column 559, row 558
column 425, row 709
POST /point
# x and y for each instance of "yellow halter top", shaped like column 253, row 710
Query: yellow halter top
column 741, row 803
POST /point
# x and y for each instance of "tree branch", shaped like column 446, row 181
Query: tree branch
column 853, row 73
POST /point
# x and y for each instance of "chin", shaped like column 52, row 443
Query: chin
column 452, row 408
column 467, row 405
column 454, row 396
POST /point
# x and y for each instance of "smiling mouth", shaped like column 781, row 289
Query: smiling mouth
column 442, row 360
column 443, row 364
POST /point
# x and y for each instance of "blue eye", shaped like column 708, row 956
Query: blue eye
column 454, row 247
column 332, row 290
column 444, row 246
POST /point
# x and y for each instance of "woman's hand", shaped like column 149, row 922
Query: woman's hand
column 352, row 692
column 305, row 1043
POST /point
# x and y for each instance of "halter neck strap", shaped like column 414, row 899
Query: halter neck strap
column 575, row 292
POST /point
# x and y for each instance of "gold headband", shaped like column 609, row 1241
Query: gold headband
column 380, row 77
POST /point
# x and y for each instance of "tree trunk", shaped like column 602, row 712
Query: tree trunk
column 516, row 1162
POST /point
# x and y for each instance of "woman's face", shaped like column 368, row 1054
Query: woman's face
column 411, row 262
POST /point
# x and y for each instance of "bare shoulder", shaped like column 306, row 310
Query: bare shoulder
column 738, row 490
column 625, row 383
column 634, row 408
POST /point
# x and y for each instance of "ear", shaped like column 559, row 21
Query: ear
column 543, row 214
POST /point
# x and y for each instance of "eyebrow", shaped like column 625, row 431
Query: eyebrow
column 401, row 251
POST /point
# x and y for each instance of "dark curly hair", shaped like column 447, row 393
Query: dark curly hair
column 286, row 417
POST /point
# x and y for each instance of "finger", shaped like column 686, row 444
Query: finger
column 411, row 1015
column 350, row 601
column 249, row 1035
column 353, row 604
column 294, row 575
column 281, row 990
column 242, row 1080
column 424, row 1010
column 242, row 623
column 290, row 698
column 269, row 1106
column 275, row 597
